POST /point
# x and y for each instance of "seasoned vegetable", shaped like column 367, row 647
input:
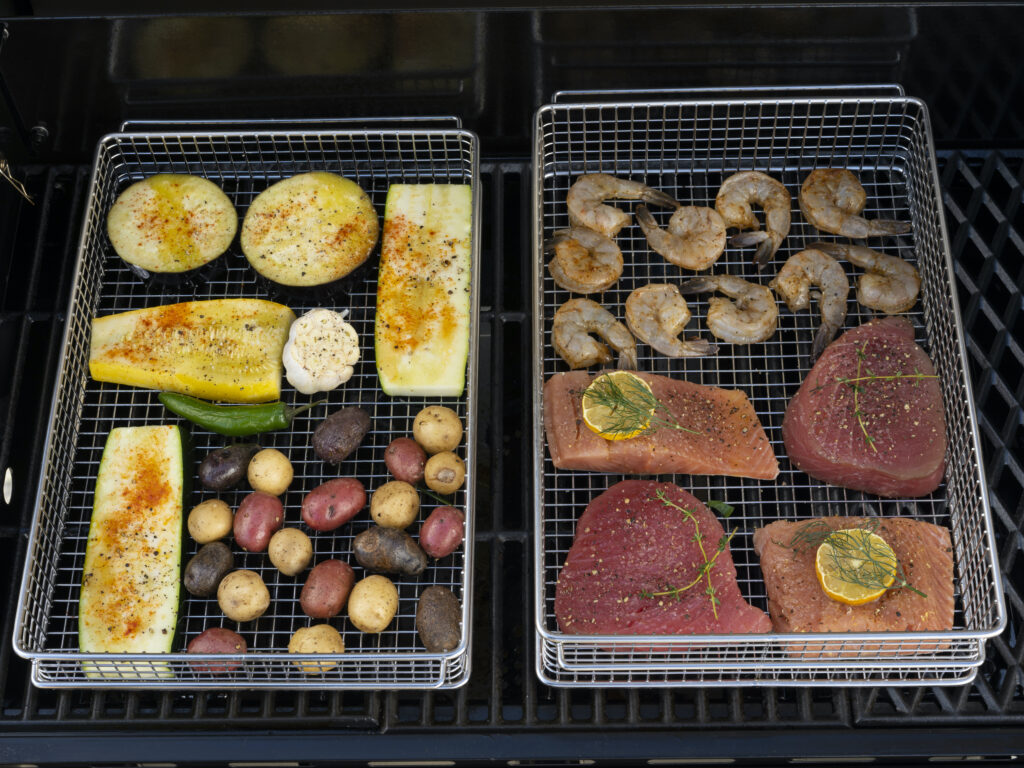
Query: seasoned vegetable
column 209, row 521
column 445, row 472
column 373, row 604
column 395, row 505
column 270, row 472
column 327, row 589
column 319, row 638
column 290, row 551
column 333, row 503
column 442, row 532
column 389, row 550
column 257, row 518
column 437, row 619
column 222, row 349
column 225, row 468
column 340, row 434
column 232, row 420
column 405, row 459
column 207, row 568
column 130, row 578
column 437, row 429
column 421, row 330
column 320, row 352
column 216, row 640
column 243, row 596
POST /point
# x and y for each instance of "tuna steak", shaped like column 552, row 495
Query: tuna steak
column 632, row 550
column 727, row 437
column 869, row 414
column 797, row 603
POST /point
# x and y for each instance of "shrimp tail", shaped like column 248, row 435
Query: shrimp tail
column 698, row 347
column 696, row 285
column 764, row 254
column 890, row 227
column 555, row 240
column 835, row 250
column 657, row 197
column 627, row 360
column 822, row 338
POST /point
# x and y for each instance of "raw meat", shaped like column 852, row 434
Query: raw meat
column 897, row 446
column 729, row 441
column 630, row 543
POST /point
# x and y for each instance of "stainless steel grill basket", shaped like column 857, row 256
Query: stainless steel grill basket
column 686, row 144
column 243, row 163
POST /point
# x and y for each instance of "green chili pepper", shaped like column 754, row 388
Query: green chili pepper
column 233, row 420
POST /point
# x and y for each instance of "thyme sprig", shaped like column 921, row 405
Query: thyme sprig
column 704, row 571
column 633, row 409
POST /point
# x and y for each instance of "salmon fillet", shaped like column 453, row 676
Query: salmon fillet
column 797, row 603
column 729, row 438
column 630, row 544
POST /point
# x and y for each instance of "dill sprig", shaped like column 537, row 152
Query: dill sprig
column 633, row 409
column 704, row 571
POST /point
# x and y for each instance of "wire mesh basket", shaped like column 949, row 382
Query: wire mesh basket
column 686, row 148
column 243, row 163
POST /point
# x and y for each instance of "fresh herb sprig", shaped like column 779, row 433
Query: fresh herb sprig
column 634, row 409
column 704, row 571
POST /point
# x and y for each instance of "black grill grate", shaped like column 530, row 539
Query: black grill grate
column 504, row 709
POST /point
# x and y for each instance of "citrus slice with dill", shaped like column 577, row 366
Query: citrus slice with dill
column 855, row 566
column 618, row 405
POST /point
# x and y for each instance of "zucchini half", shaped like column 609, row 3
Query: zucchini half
column 131, row 579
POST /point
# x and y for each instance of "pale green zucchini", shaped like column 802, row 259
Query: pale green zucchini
column 422, row 326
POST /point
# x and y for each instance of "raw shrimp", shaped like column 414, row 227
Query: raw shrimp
column 584, row 261
column 695, row 237
column 889, row 284
column 793, row 284
column 733, row 203
column 570, row 335
column 831, row 199
column 586, row 201
column 752, row 317
column 657, row 313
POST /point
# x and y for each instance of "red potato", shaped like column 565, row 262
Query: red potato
column 326, row 589
column 442, row 532
column 216, row 640
column 405, row 459
column 258, row 517
column 333, row 504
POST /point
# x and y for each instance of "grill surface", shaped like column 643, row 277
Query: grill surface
column 503, row 712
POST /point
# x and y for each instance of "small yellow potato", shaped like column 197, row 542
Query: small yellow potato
column 395, row 505
column 445, row 472
column 290, row 551
column 373, row 603
column 209, row 521
column 243, row 596
column 319, row 638
column 270, row 472
column 437, row 429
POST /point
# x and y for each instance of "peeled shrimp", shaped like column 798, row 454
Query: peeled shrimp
column 656, row 314
column 831, row 199
column 695, row 237
column 733, row 203
column 584, row 261
column 889, row 284
column 793, row 284
column 752, row 317
column 570, row 335
column 586, row 201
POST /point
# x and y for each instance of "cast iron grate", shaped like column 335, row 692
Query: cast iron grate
column 985, row 216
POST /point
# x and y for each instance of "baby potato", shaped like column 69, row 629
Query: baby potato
column 319, row 638
column 216, row 640
column 209, row 521
column 373, row 604
column 395, row 505
column 243, row 596
column 290, row 551
column 438, row 614
column 258, row 517
column 437, row 429
column 405, row 459
column 445, row 472
column 389, row 550
column 205, row 570
column 326, row 589
column 442, row 532
column 270, row 472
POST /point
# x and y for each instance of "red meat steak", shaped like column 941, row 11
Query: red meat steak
column 629, row 544
column 869, row 414
column 725, row 437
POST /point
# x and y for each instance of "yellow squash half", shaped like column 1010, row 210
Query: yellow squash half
column 223, row 349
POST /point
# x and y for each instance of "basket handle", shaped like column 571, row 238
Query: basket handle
column 773, row 91
column 276, row 124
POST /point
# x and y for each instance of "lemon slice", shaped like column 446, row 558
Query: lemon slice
column 855, row 566
column 618, row 405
